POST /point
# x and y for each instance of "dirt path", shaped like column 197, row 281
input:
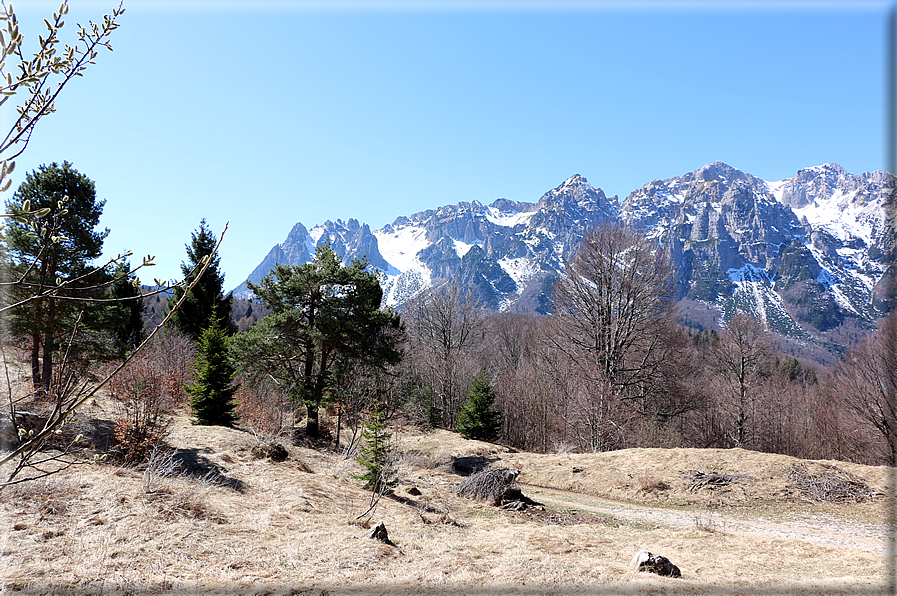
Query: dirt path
column 816, row 529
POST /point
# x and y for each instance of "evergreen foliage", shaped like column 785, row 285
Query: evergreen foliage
column 207, row 296
column 476, row 419
column 212, row 391
column 376, row 453
column 54, row 254
column 324, row 317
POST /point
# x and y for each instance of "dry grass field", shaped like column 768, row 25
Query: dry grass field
column 243, row 525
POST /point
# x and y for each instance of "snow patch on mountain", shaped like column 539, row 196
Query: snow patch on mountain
column 462, row 248
column 748, row 273
column 777, row 189
column 507, row 219
column 841, row 217
column 407, row 275
column 401, row 246
column 520, row 269
column 315, row 234
column 827, row 278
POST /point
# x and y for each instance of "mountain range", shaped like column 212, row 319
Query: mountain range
column 810, row 255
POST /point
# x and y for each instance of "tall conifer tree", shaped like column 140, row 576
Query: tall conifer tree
column 195, row 314
column 476, row 419
column 126, row 317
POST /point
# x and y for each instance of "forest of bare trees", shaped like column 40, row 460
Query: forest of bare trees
column 611, row 368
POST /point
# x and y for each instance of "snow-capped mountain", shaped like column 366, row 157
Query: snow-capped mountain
column 505, row 250
column 804, row 254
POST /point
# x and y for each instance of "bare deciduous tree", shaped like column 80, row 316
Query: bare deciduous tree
column 865, row 383
column 613, row 308
column 445, row 325
column 741, row 356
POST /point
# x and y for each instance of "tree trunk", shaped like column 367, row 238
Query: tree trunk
column 35, row 360
column 339, row 421
column 312, row 428
column 49, row 339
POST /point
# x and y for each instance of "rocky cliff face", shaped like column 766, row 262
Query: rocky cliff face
column 805, row 253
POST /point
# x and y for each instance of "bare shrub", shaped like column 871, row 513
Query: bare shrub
column 148, row 390
column 142, row 422
column 174, row 494
column 706, row 524
column 264, row 408
column 161, row 467
column 649, row 485
column 488, row 485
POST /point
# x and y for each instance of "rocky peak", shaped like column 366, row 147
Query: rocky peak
column 801, row 253
column 818, row 184
column 577, row 196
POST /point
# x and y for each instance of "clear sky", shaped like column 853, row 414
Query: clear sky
column 264, row 114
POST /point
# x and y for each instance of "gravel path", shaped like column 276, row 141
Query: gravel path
column 816, row 529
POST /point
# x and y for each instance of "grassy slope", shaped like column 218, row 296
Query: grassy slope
column 101, row 529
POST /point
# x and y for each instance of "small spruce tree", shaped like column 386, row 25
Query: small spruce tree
column 207, row 298
column 376, row 454
column 212, row 392
column 476, row 419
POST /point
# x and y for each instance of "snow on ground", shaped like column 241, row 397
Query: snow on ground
column 315, row 234
column 407, row 274
column 842, row 300
column 401, row 247
column 777, row 188
column 842, row 218
column 747, row 273
column 462, row 248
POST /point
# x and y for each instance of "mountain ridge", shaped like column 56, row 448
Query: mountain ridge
column 805, row 253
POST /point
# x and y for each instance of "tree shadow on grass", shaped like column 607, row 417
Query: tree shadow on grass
column 193, row 463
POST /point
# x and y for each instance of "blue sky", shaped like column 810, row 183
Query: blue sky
column 265, row 114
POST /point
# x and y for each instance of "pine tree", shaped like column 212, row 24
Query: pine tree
column 212, row 392
column 323, row 316
column 59, row 252
column 195, row 313
column 476, row 419
column 376, row 453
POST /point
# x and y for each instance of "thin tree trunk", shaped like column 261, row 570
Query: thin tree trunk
column 49, row 339
column 35, row 360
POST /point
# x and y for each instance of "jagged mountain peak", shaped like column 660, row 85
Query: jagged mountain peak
column 740, row 245
column 718, row 170
column 575, row 180
column 576, row 194
column 817, row 185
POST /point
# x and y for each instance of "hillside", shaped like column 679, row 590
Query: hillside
column 251, row 526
